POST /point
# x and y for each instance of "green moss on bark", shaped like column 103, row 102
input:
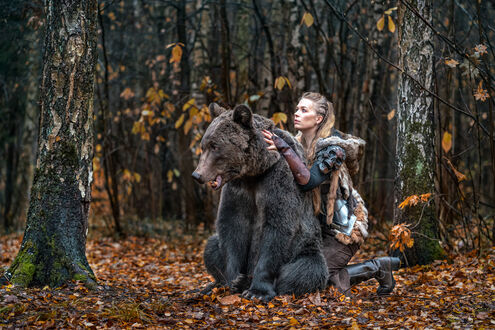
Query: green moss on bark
column 23, row 268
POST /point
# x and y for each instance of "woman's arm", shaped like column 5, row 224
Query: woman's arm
column 299, row 170
column 327, row 160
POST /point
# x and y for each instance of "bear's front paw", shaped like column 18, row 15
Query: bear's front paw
column 264, row 293
column 240, row 284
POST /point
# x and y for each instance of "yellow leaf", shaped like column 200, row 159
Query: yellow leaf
column 170, row 176
column 391, row 25
column 391, row 114
column 137, row 177
column 279, row 117
column 179, row 121
column 293, row 321
column 288, row 82
column 127, row 175
column 307, row 19
column 188, row 104
column 279, row 83
column 381, row 23
column 390, row 10
column 446, row 141
column 176, row 54
column 187, row 126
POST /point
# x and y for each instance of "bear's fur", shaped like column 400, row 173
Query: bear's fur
column 268, row 240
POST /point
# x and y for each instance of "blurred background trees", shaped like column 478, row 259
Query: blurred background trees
column 161, row 62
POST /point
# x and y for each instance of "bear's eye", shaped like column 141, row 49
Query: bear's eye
column 213, row 146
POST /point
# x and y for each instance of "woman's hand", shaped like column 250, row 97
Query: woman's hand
column 268, row 137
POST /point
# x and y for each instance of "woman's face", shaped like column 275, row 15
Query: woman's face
column 306, row 117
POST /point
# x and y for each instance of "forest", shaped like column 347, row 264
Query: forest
column 103, row 107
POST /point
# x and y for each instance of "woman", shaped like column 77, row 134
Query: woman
column 333, row 157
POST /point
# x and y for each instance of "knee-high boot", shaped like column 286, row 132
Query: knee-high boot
column 380, row 269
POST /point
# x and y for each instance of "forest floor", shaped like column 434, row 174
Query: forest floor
column 150, row 282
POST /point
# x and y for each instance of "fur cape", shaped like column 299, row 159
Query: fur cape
column 354, row 150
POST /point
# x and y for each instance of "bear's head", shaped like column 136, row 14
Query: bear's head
column 232, row 146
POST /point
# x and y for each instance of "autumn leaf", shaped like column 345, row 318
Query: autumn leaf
column 179, row 122
column 381, row 23
column 401, row 237
column 446, row 141
column 390, row 10
column 459, row 175
column 126, row 175
column 409, row 201
column 425, row 197
column 229, row 300
column 288, row 82
column 127, row 94
column 279, row 83
column 187, row 125
column 279, row 117
column 481, row 94
column 307, row 19
column 391, row 114
column 176, row 54
column 170, row 176
column 480, row 49
column 188, row 104
column 451, row 62
column 391, row 25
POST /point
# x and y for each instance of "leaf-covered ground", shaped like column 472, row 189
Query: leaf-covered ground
column 150, row 282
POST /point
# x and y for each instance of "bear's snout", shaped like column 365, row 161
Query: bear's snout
column 196, row 176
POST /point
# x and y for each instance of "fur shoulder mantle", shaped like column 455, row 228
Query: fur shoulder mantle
column 352, row 145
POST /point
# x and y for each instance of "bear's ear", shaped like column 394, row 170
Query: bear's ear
column 243, row 116
column 215, row 110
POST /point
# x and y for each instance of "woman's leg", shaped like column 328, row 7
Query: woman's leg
column 379, row 268
column 344, row 276
column 337, row 256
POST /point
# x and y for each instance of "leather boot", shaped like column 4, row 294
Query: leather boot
column 380, row 269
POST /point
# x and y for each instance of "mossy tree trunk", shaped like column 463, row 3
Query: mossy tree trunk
column 53, row 249
column 415, row 151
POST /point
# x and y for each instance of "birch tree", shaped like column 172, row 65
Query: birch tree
column 53, row 247
column 415, row 151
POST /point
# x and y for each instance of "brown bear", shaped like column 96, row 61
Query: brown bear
column 267, row 240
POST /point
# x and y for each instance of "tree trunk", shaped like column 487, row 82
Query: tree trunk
column 53, row 248
column 415, row 162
